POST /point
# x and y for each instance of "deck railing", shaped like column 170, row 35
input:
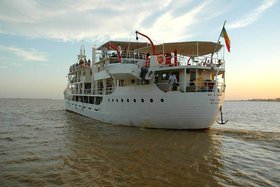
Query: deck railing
column 109, row 90
column 87, row 91
column 191, row 61
column 192, row 86
column 76, row 67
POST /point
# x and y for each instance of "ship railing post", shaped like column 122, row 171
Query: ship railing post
column 104, row 86
column 196, row 80
column 93, row 61
column 184, row 82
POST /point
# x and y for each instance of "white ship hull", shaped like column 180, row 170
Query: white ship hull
column 133, row 106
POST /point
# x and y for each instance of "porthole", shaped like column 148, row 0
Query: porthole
column 112, row 100
column 151, row 100
column 108, row 100
column 117, row 100
column 134, row 100
column 127, row 100
column 142, row 100
column 121, row 100
column 162, row 100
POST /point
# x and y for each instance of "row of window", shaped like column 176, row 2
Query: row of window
column 81, row 106
column 97, row 100
column 133, row 100
column 87, row 99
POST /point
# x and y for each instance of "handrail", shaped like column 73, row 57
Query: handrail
column 192, row 86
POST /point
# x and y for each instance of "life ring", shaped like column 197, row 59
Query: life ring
column 160, row 59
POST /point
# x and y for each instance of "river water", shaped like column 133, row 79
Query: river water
column 43, row 145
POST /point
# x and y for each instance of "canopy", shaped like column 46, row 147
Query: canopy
column 130, row 46
column 195, row 48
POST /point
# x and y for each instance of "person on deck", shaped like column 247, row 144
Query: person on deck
column 172, row 80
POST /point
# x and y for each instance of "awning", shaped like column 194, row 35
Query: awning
column 129, row 46
column 195, row 48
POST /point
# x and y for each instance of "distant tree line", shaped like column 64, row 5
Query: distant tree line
column 271, row 100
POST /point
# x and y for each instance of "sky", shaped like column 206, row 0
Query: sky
column 40, row 39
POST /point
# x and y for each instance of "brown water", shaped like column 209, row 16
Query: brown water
column 43, row 145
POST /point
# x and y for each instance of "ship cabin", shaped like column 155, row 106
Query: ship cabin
column 181, row 67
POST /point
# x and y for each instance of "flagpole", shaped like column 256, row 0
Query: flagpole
column 218, row 41
column 216, row 88
column 220, row 34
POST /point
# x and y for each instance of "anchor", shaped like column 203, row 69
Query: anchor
column 222, row 120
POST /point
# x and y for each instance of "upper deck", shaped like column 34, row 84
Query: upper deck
column 196, row 66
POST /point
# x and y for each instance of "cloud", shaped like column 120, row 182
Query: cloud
column 253, row 16
column 26, row 54
column 89, row 19
column 3, row 67
column 174, row 27
column 74, row 20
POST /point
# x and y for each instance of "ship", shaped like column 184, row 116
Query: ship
column 177, row 85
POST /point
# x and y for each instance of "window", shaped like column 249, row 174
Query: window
column 121, row 83
column 151, row 100
column 98, row 100
column 142, row 100
column 91, row 100
column 85, row 99
column 162, row 100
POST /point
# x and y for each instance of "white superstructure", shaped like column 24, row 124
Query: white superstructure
column 129, row 83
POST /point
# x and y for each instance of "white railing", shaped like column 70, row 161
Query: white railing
column 109, row 90
column 99, row 90
column 192, row 86
column 131, row 54
column 192, row 61
column 87, row 91
column 76, row 67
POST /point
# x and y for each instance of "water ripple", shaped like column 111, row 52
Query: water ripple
column 43, row 145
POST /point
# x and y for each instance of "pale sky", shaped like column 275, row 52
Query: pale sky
column 40, row 39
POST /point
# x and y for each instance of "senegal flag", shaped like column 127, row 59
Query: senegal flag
column 225, row 36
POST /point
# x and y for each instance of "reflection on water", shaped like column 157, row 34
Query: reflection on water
column 41, row 144
column 118, row 156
